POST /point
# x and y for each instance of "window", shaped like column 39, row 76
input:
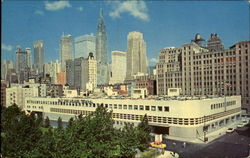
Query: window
column 130, row 107
column 115, row 106
column 159, row 108
column 136, row 107
column 147, row 108
column 152, row 108
column 166, row 108
column 120, row 106
column 141, row 107
column 125, row 107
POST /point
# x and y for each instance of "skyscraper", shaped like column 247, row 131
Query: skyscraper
column 22, row 68
column 84, row 45
column 38, row 56
column 66, row 50
column 136, row 55
column 5, row 66
column 29, row 58
column 119, row 67
column 52, row 68
column 101, row 51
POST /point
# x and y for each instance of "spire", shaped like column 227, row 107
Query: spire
column 101, row 13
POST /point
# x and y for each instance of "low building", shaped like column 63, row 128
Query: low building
column 139, row 93
column 182, row 117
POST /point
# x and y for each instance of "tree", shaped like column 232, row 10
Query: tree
column 59, row 123
column 143, row 133
column 47, row 122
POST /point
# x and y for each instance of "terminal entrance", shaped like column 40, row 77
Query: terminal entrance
column 160, row 130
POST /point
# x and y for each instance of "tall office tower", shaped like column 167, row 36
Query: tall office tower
column 118, row 67
column 5, row 66
column 198, row 71
column 38, row 57
column 52, row 68
column 101, row 51
column 84, row 45
column 29, row 57
column 66, row 50
column 81, row 71
column 214, row 43
column 136, row 55
column 22, row 68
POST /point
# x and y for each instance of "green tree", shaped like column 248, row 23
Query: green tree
column 47, row 122
column 59, row 123
column 143, row 134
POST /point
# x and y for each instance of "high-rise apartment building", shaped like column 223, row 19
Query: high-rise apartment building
column 101, row 51
column 66, row 50
column 81, row 71
column 22, row 69
column 136, row 55
column 84, row 45
column 118, row 67
column 198, row 71
column 38, row 57
column 52, row 68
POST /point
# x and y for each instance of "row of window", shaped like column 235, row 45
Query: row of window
column 154, row 119
column 220, row 105
column 110, row 106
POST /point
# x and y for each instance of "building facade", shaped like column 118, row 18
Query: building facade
column 61, row 78
column 81, row 71
column 5, row 66
column 52, row 68
column 29, row 57
column 198, row 71
column 39, row 57
column 187, row 118
column 118, row 67
column 136, row 55
column 66, row 50
column 3, row 93
column 84, row 45
column 101, row 52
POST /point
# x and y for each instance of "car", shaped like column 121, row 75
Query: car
column 240, row 125
column 230, row 130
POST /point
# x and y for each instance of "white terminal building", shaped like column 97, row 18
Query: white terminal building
column 183, row 117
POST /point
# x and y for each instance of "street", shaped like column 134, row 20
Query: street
column 230, row 145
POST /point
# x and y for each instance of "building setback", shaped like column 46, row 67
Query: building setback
column 66, row 50
column 136, row 55
column 39, row 57
column 198, row 71
column 119, row 67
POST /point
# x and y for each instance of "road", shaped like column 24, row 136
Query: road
column 232, row 145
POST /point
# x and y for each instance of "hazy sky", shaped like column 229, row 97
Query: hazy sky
column 163, row 23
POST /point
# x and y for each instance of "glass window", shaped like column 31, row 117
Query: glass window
column 166, row 108
column 141, row 107
column 147, row 108
column 152, row 108
column 136, row 107
column 120, row 106
column 159, row 108
column 130, row 107
column 125, row 107
column 115, row 106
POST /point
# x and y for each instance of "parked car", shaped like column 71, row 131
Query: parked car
column 230, row 130
column 240, row 125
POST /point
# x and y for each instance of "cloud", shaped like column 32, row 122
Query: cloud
column 136, row 8
column 80, row 9
column 6, row 47
column 153, row 60
column 39, row 12
column 58, row 5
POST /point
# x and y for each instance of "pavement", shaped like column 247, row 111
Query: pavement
column 230, row 145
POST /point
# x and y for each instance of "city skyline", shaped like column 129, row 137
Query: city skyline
column 42, row 21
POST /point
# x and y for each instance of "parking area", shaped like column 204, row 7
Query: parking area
column 235, row 145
